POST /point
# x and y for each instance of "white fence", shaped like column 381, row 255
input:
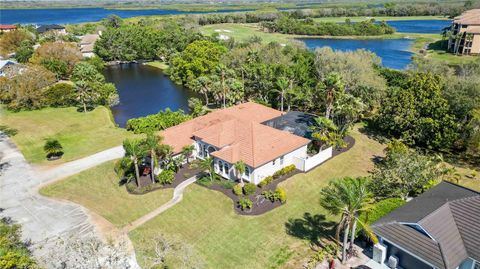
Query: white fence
column 305, row 164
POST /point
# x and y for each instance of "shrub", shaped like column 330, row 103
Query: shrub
column 265, row 181
column 61, row 95
column 270, row 195
column 381, row 209
column 166, row 177
column 245, row 203
column 281, row 195
column 284, row 171
column 249, row 188
column 237, row 189
column 157, row 122
column 227, row 184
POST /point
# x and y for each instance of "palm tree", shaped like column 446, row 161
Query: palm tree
column 52, row 147
column 282, row 84
column 152, row 142
column 348, row 197
column 85, row 94
column 332, row 86
column 202, row 85
column 207, row 164
column 134, row 151
column 240, row 168
column 187, row 151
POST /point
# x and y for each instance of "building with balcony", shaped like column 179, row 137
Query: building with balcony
column 464, row 37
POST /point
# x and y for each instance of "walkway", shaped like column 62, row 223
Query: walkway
column 53, row 173
column 177, row 197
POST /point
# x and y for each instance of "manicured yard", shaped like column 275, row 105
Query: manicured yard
column 206, row 218
column 98, row 190
column 80, row 134
column 242, row 32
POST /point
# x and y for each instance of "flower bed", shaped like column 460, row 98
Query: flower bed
column 183, row 174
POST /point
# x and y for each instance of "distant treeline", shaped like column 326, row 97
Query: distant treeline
column 431, row 9
column 287, row 25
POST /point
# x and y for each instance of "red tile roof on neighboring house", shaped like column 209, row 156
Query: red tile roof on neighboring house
column 238, row 134
column 7, row 27
column 469, row 17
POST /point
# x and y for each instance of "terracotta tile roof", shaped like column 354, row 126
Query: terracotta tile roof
column 7, row 27
column 469, row 17
column 238, row 134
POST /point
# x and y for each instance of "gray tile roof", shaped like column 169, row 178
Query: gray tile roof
column 448, row 216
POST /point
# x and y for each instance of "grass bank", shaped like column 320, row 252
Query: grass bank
column 158, row 64
column 380, row 18
column 81, row 134
column 98, row 189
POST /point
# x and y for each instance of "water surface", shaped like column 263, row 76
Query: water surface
column 79, row 15
column 393, row 52
column 420, row 26
column 144, row 90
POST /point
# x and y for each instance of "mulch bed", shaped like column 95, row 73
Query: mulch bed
column 260, row 204
column 183, row 174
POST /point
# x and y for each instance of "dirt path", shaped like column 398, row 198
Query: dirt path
column 177, row 197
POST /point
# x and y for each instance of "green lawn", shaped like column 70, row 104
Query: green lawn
column 206, row 218
column 98, row 190
column 80, row 134
column 380, row 18
column 242, row 32
column 158, row 64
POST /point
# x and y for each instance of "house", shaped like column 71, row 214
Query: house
column 4, row 64
column 57, row 29
column 465, row 29
column 242, row 133
column 87, row 43
column 7, row 28
column 438, row 229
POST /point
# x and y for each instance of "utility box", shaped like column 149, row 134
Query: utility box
column 379, row 253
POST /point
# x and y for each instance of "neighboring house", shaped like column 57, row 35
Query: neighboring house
column 86, row 45
column 58, row 29
column 465, row 33
column 438, row 229
column 241, row 133
column 4, row 64
column 7, row 28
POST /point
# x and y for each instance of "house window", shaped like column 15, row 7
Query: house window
column 281, row 160
column 273, row 162
column 247, row 172
column 225, row 167
column 220, row 166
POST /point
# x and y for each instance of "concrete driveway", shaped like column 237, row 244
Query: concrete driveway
column 42, row 219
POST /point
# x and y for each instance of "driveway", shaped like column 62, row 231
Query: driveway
column 43, row 220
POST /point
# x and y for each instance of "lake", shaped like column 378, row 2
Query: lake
column 420, row 26
column 393, row 52
column 79, row 15
column 144, row 90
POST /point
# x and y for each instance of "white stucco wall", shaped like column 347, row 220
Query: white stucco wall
column 269, row 168
column 317, row 159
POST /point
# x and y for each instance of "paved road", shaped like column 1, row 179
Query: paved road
column 177, row 197
column 42, row 219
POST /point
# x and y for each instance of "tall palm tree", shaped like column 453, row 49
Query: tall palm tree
column 348, row 197
column 152, row 142
column 332, row 85
column 187, row 151
column 207, row 164
column 282, row 84
column 134, row 151
column 240, row 168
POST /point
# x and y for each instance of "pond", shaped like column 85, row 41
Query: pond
column 420, row 26
column 144, row 90
column 393, row 52
column 79, row 15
